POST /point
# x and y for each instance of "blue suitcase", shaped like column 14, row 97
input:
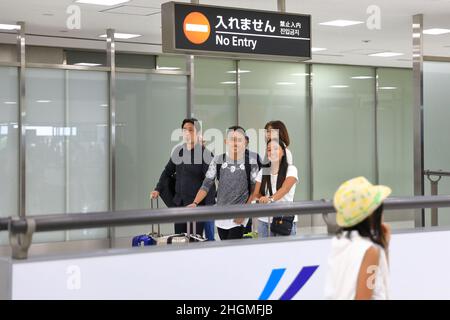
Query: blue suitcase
column 143, row 240
column 147, row 239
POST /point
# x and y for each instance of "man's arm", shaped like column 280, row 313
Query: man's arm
column 168, row 172
column 208, row 182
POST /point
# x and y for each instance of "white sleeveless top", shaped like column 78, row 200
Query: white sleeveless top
column 344, row 264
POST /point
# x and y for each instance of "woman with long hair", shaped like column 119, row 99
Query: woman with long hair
column 275, row 182
column 277, row 130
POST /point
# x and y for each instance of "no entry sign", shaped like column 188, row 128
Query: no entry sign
column 212, row 30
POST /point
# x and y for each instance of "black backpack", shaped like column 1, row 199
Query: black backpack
column 248, row 170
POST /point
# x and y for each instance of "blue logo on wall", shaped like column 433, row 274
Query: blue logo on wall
column 302, row 277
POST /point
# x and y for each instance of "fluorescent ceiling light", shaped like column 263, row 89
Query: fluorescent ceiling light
column 340, row 23
column 282, row 83
column 9, row 27
column 43, row 101
column 239, row 71
column 103, row 2
column 318, row 49
column 387, row 88
column 362, row 77
column 87, row 64
column 123, row 35
column 339, row 86
column 301, row 74
column 386, row 54
column 167, row 68
column 436, row 31
column 104, row 105
column 10, row 102
column 228, row 82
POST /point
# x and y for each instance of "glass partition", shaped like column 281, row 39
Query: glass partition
column 66, row 146
column 9, row 142
column 343, row 127
column 149, row 108
column 215, row 97
column 436, row 117
column 395, row 138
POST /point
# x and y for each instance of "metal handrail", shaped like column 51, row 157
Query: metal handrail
column 71, row 221
column 21, row 230
column 439, row 173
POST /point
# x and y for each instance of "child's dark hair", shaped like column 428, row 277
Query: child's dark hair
column 194, row 122
column 282, row 171
column 237, row 128
column 371, row 228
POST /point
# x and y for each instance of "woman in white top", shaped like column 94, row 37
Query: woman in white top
column 276, row 130
column 280, row 177
column 358, row 263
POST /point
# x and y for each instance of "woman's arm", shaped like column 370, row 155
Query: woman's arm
column 287, row 185
column 367, row 274
column 256, row 193
column 210, row 178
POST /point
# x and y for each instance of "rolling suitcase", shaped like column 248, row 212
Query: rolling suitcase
column 149, row 239
column 182, row 238
column 153, row 238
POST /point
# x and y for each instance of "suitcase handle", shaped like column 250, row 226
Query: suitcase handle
column 157, row 207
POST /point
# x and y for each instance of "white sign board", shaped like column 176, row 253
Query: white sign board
column 288, row 269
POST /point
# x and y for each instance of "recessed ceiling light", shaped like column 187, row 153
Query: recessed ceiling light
column 9, row 27
column 362, row 77
column 123, row 35
column 239, row 71
column 167, row 68
column 283, row 83
column 436, row 31
column 103, row 2
column 87, row 64
column 340, row 23
column 43, row 101
column 228, row 82
column 386, row 54
column 318, row 49
column 339, row 86
column 387, row 88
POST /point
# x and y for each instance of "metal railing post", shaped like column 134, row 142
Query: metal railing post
column 434, row 191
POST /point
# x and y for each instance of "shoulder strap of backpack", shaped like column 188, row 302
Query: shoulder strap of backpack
column 219, row 165
column 248, row 171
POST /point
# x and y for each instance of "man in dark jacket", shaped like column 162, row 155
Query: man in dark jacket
column 186, row 170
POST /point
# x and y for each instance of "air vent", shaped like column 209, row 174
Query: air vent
column 133, row 10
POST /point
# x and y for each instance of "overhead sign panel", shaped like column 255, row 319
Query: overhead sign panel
column 198, row 29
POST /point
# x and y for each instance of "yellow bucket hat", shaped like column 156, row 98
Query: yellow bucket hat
column 356, row 199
